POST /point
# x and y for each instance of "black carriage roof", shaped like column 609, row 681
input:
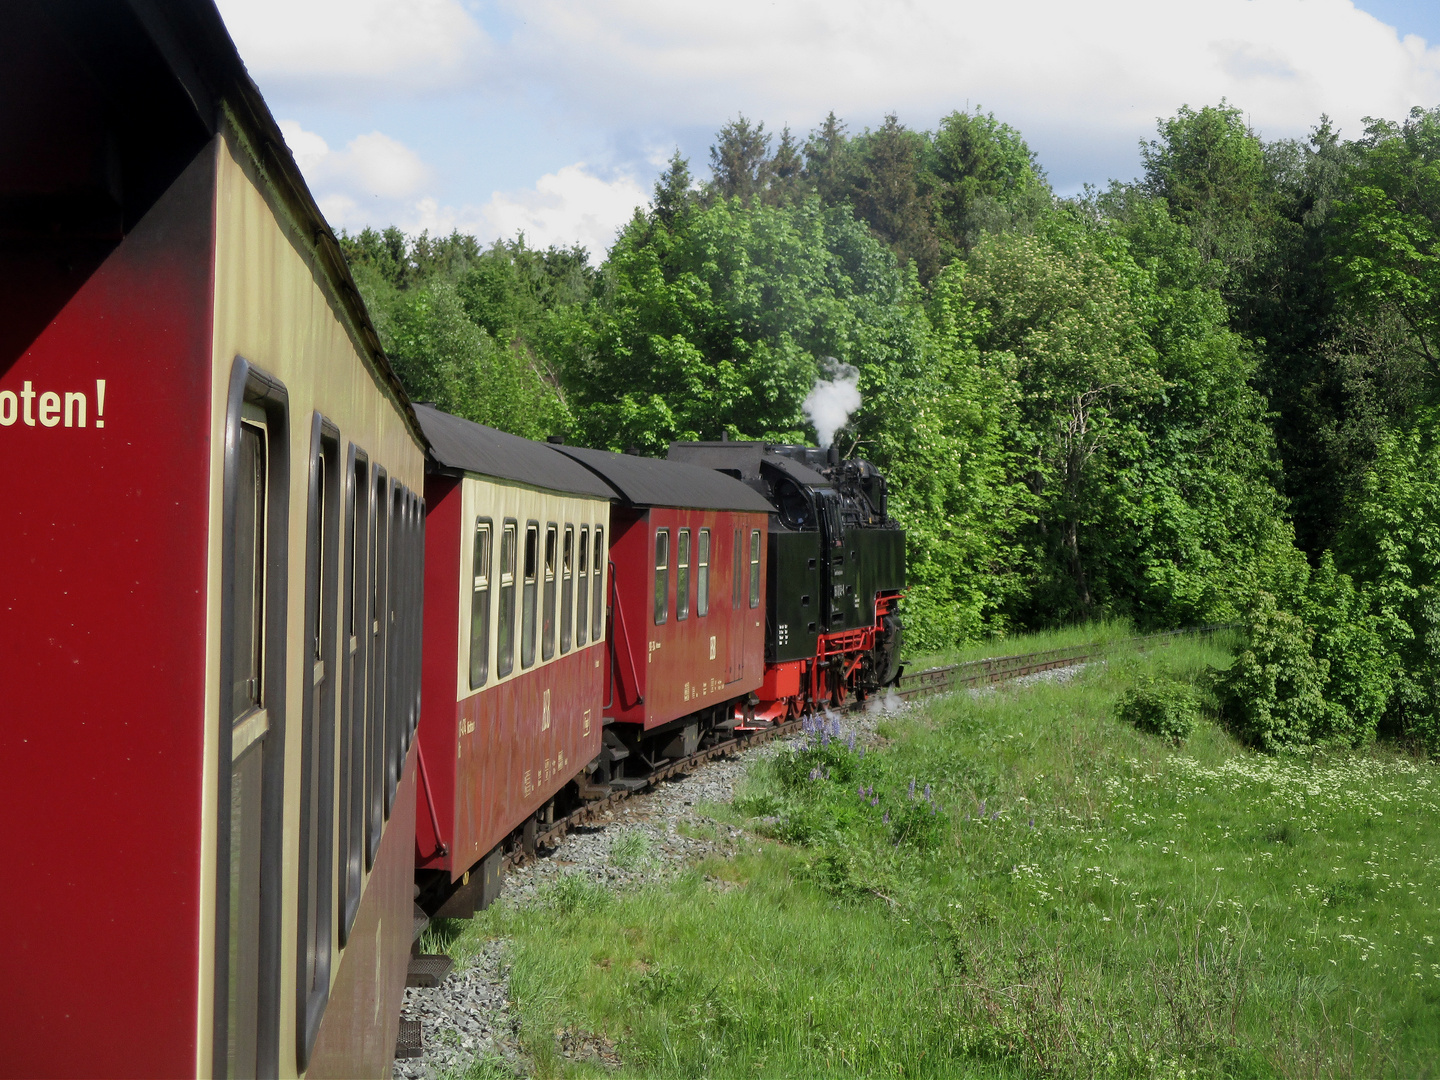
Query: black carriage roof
column 152, row 81
column 643, row 481
column 462, row 445
column 743, row 460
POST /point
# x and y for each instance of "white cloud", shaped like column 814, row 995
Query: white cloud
column 1057, row 69
column 341, row 48
column 373, row 165
column 571, row 205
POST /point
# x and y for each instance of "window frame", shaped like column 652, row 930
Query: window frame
column 382, row 537
column 252, row 386
column 755, row 554
column 317, row 741
column 567, row 588
column 682, row 575
column 551, row 569
column 480, row 584
column 530, row 557
column 662, row 576
column 599, row 560
column 582, row 588
column 505, row 642
column 702, row 574
column 353, row 697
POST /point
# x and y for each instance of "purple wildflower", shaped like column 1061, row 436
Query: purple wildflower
column 860, row 791
column 835, row 727
column 1032, row 823
column 928, row 796
column 886, row 817
column 912, row 787
column 995, row 815
column 874, row 802
column 982, row 807
column 850, row 741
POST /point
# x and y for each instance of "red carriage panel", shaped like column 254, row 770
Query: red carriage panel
column 669, row 659
column 104, row 509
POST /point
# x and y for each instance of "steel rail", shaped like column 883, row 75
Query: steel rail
column 936, row 680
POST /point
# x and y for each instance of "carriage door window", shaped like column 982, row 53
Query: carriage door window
column 249, row 856
column 379, row 658
column 505, row 643
column 702, row 575
column 682, row 575
column 547, row 637
column 597, row 586
column 395, row 696
column 480, row 606
column 735, row 572
column 247, row 760
column 582, row 587
column 662, row 576
column 527, row 594
column 754, row 567
column 352, row 707
column 567, row 588
column 317, row 739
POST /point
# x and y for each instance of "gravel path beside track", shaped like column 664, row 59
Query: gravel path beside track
column 649, row 837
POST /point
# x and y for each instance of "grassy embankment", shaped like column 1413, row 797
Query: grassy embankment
column 1084, row 900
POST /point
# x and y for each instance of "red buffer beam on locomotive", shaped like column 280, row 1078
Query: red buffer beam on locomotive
column 835, row 575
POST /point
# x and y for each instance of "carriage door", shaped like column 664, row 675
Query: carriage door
column 739, row 590
column 251, row 735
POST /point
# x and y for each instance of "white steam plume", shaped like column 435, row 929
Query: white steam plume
column 832, row 399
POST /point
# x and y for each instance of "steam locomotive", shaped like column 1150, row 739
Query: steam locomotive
column 837, row 572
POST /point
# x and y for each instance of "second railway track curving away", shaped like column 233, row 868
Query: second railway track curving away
column 910, row 685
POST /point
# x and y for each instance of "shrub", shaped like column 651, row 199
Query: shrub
column 1273, row 695
column 1165, row 708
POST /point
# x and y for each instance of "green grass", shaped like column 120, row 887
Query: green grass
column 1104, row 632
column 1121, row 908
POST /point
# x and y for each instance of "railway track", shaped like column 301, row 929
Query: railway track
column 910, row 686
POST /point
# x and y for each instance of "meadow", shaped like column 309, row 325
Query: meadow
column 1016, row 883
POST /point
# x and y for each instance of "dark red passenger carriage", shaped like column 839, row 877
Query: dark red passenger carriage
column 688, row 635
column 209, row 625
column 515, row 585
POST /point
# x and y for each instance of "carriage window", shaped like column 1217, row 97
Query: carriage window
column 527, row 593
column 379, row 664
column 567, row 588
column 547, row 637
column 597, row 586
column 754, row 567
column 582, row 587
column 480, row 605
column 735, row 572
column 317, row 740
column 395, row 697
column 702, row 575
column 682, row 575
column 505, row 631
column 250, row 849
column 662, row 576
column 352, row 708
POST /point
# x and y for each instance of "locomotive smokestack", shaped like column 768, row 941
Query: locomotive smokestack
column 834, row 455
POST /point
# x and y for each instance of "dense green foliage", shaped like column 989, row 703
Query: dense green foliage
column 1205, row 395
column 1012, row 884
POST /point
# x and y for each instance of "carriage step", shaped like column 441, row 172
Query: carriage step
column 428, row 969
column 407, row 1043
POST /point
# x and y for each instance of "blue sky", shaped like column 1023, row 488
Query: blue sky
column 555, row 116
